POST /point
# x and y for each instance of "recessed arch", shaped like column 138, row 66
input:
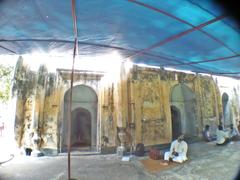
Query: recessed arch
column 184, row 100
column 226, row 110
column 181, row 93
column 84, row 118
column 81, row 93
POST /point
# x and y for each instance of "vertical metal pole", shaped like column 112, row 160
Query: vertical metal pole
column 75, row 51
column 70, row 112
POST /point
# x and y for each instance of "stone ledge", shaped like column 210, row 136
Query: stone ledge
column 49, row 152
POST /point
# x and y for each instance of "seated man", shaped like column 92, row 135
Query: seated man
column 222, row 136
column 178, row 150
column 234, row 134
column 206, row 134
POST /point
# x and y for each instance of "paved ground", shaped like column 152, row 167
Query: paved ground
column 206, row 162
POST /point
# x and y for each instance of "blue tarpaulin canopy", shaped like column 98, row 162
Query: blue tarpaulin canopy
column 193, row 35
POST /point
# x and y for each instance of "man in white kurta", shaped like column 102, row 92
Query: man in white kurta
column 178, row 150
column 234, row 135
column 222, row 136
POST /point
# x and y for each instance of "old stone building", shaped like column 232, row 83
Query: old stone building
column 149, row 105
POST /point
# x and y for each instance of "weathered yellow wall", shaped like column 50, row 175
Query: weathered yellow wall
column 209, row 103
column 150, row 96
column 50, row 131
column 18, row 130
column 140, row 97
column 27, row 119
column 108, row 116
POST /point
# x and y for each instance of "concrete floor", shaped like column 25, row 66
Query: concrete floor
column 207, row 161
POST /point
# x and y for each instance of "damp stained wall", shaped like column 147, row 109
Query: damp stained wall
column 139, row 101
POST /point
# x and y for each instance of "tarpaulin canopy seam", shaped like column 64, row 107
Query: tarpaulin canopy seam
column 159, row 33
column 181, row 20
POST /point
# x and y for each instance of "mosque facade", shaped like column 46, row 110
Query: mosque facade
column 135, row 105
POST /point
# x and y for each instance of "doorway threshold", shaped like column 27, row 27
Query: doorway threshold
column 81, row 151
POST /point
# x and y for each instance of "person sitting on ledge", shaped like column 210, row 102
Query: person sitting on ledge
column 206, row 134
column 234, row 134
column 178, row 151
column 222, row 136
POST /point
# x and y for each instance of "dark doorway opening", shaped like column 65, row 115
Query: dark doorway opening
column 176, row 122
column 81, row 128
column 226, row 112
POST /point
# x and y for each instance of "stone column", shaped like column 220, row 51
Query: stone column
column 122, row 110
column 37, row 118
column 38, row 110
column 132, row 113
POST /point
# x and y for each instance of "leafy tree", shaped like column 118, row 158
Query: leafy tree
column 5, row 82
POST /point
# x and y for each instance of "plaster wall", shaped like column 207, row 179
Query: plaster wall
column 138, row 101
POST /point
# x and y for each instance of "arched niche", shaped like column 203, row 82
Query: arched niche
column 184, row 99
column 84, row 118
column 226, row 110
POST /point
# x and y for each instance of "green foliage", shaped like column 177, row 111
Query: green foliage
column 5, row 82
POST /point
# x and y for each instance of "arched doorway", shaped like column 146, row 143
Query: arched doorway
column 81, row 128
column 176, row 122
column 84, row 119
column 183, row 98
column 226, row 110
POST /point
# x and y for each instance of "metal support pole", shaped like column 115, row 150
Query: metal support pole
column 75, row 51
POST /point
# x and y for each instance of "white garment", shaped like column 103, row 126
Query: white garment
column 221, row 136
column 180, row 158
column 179, row 147
column 234, row 132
